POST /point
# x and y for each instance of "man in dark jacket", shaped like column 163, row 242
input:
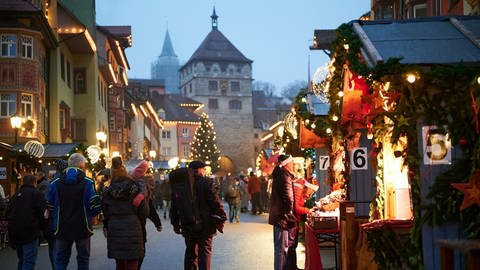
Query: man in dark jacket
column 25, row 221
column 199, row 223
column 281, row 214
column 74, row 201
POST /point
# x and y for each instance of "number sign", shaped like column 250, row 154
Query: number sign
column 323, row 163
column 359, row 158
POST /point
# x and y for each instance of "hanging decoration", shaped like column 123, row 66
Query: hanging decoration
column 291, row 124
column 308, row 139
column 470, row 190
column 94, row 152
column 34, row 148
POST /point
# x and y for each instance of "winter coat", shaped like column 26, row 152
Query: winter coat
column 232, row 195
column 254, row 185
column 281, row 200
column 25, row 215
column 124, row 219
column 211, row 213
column 73, row 200
column 166, row 191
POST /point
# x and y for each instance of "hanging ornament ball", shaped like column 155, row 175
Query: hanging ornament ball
column 411, row 173
column 34, row 148
column 463, row 142
column 93, row 153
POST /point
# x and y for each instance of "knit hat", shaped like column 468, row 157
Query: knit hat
column 196, row 164
column 117, row 168
column 140, row 170
column 283, row 160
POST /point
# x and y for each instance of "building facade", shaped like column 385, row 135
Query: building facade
column 166, row 67
column 220, row 76
column 399, row 9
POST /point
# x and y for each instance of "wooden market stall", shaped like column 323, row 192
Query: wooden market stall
column 403, row 135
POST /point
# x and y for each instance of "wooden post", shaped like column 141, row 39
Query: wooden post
column 348, row 235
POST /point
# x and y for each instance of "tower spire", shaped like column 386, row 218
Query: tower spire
column 214, row 19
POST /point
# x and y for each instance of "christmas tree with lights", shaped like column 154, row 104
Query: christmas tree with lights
column 204, row 144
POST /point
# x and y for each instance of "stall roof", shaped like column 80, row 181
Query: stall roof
column 432, row 40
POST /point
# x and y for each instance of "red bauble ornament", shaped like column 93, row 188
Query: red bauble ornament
column 463, row 142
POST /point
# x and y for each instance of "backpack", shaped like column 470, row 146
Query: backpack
column 184, row 193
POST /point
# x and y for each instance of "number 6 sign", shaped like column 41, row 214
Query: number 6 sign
column 359, row 158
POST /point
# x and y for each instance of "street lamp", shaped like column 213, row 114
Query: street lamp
column 16, row 122
column 101, row 138
column 152, row 154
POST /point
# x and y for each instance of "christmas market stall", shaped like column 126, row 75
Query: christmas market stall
column 401, row 143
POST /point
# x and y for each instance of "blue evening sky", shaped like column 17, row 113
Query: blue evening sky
column 275, row 34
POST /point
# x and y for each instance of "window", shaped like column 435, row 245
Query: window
column 62, row 66
column 386, row 12
column 235, row 105
column 111, row 121
column 213, row 85
column 186, row 150
column 9, row 45
column 185, row 132
column 213, row 103
column 8, row 104
column 79, row 132
column 69, row 75
column 420, row 10
column 62, row 116
column 27, row 47
column 27, row 105
column 7, row 74
column 166, row 151
column 80, row 82
column 234, row 86
column 161, row 113
column 165, row 134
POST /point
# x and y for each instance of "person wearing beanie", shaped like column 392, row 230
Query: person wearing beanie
column 140, row 176
column 125, row 211
column 197, row 221
column 281, row 214
column 117, row 169
column 25, row 215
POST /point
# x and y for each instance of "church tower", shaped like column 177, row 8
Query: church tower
column 220, row 76
column 166, row 66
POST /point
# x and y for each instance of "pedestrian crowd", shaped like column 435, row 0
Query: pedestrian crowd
column 60, row 211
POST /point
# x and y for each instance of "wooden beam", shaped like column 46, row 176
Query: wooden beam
column 367, row 44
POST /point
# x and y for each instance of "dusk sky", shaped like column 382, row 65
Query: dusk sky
column 276, row 35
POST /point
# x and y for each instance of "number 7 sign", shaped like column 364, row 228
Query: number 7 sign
column 323, row 163
column 359, row 158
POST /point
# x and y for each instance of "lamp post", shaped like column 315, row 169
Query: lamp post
column 101, row 138
column 152, row 154
column 16, row 122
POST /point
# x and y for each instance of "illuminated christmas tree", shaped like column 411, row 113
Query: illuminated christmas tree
column 204, row 144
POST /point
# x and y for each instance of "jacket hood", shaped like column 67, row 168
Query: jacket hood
column 73, row 175
column 123, row 190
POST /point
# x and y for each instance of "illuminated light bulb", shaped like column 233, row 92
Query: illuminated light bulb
column 304, row 100
column 335, row 118
column 369, row 135
column 313, row 125
column 329, row 131
column 411, row 78
column 478, row 79
column 346, row 47
column 307, row 121
column 340, row 93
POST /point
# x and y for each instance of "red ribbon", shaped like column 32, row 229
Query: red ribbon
column 475, row 112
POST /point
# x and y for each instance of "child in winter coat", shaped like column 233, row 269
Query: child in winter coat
column 125, row 211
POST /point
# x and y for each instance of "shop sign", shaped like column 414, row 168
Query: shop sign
column 359, row 158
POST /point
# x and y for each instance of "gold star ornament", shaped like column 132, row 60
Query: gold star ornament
column 470, row 190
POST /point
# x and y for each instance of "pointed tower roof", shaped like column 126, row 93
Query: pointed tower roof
column 217, row 48
column 214, row 19
column 167, row 49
